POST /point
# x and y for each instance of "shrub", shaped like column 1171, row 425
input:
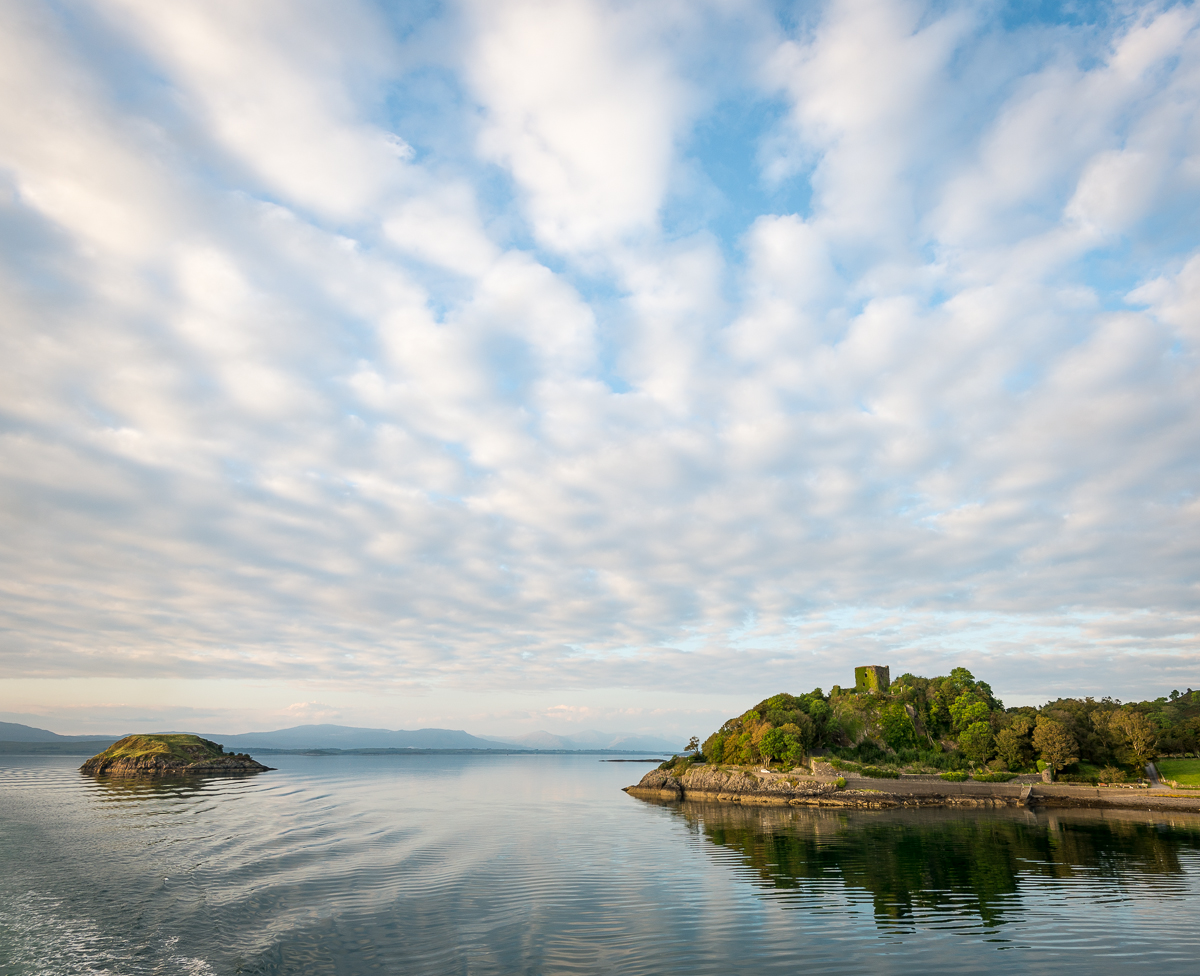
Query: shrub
column 993, row 777
column 840, row 782
column 948, row 761
column 955, row 776
column 876, row 773
column 898, row 731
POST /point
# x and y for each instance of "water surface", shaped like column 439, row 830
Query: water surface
column 539, row 864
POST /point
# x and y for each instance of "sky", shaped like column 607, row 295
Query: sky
column 511, row 365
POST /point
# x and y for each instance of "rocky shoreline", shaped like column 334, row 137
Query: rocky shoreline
column 157, row 766
column 818, row 786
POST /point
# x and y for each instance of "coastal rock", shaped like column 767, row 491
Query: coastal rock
column 728, row 785
column 661, row 784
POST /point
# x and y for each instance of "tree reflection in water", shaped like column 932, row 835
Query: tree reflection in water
column 942, row 861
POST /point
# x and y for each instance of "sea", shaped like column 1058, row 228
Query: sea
column 496, row 864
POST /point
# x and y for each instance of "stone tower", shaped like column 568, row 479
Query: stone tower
column 871, row 679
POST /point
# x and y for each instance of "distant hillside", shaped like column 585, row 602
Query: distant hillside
column 348, row 737
column 25, row 739
column 12, row 732
column 15, row 738
column 592, row 739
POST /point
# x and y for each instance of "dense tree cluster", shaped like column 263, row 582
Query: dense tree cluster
column 783, row 727
column 955, row 720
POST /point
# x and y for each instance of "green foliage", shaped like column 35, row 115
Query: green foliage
column 877, row 729
column 876, row 773
column 1137, row 735
column 898, row 730
column 1013, row 745
column 1056, row 745
column 678, row 765
column 955, row 776
column 993, row 777
column 976, row 742
column 967, row 710
column 840, row 782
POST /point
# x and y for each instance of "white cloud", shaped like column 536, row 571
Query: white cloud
column 269, row 82
column 1176, row 300
column 284, row 404
column 583, row 108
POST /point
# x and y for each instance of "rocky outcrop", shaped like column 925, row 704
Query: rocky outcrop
column 659, row 784
column 731, row 784
column 168, row 754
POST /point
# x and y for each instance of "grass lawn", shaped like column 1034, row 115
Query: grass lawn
column 1186, row 772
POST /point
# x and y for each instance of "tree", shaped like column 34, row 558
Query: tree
column 693, row 744
column 785, row 742
column 1056, row 745
column 976, row 742
column 962, row 678
column 967, row 710
column 1139, row 736
column 796, row 740
column 1101, row 720
column 1012, row 746
column 772, row 744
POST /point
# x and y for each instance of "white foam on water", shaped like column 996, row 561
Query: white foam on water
column 39, row 938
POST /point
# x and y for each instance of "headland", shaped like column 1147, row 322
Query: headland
column 945, row 741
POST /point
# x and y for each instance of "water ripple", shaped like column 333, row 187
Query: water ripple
column 540, row 864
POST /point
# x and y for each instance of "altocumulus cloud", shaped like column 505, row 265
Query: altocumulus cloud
column 574, row 345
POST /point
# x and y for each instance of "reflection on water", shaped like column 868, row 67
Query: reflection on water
column 118, row 789
column 922, row 863
column 501, row 865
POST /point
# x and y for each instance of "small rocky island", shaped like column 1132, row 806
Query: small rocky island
column 168, row 754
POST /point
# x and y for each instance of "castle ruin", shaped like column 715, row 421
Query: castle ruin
column 871, row 679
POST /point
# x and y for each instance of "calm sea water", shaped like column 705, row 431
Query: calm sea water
column 539, row 864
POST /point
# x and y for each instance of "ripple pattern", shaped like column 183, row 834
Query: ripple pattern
column 539, row 864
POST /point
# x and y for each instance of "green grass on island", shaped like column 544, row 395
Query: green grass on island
column 181, row 748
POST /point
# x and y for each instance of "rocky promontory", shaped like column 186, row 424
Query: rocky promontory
column 168, row 754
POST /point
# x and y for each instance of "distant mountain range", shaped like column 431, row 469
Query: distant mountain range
column 12, row 732
column 348, row 737
column 598, row 740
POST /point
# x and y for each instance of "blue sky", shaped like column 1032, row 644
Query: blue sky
column 517, row 365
